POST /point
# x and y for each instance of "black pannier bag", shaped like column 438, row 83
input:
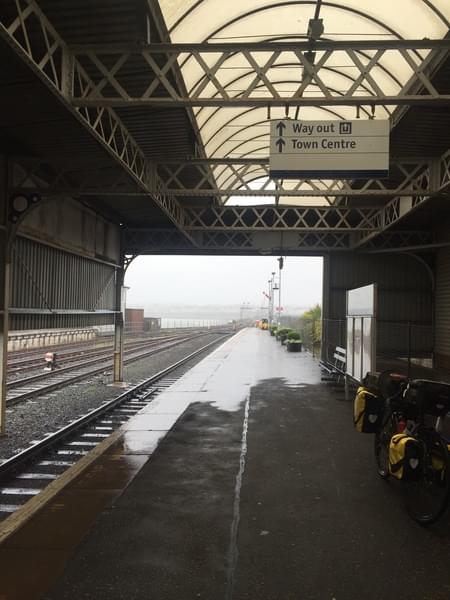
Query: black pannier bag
column 428, row 397
column 368, row 411
column 405, row 457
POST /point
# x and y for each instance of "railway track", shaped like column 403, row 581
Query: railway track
column 34, row 359
column 29, row 472
column 43, row 383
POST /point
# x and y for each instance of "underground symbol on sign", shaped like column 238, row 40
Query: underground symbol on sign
column 345, row 127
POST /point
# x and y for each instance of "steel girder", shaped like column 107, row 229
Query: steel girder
column 62, row 70
column 30, row 34
column 107, row 66
column 236, row 179
column 53, row 176
column 154, row 241
column 280, row 218
column 252, row 178
column 436, row 176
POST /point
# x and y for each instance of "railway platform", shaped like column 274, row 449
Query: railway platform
column 244, row 480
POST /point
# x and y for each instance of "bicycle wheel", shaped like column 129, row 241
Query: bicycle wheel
column 427, row 498
column 381, row 446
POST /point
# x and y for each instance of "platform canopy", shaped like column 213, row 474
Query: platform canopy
column 237, row 132
column 156, row 114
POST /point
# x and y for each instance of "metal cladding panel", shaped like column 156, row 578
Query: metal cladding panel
column 99, row 21
column 73, row 227
column 404, row 285
column 442, row 308
column 404, row 299
column 45, row 278
column 24, row 322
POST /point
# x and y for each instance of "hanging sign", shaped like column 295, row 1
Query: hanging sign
column 329, row 149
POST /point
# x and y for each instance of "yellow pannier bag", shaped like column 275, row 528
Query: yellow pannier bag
column 368, row 411
column 405, row 457
column 438, row 463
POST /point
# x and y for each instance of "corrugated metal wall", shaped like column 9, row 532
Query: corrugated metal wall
column 72, row 227
column 442, row 309
column 405, row 300
column 45, row 278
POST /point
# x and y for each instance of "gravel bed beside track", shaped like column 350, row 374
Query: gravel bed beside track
column 33, row 419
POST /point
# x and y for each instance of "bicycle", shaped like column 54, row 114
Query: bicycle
column 417, row 408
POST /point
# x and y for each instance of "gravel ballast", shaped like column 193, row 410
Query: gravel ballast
column 33, row 419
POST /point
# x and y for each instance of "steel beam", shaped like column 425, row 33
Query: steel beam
column 5, row 270
column 119, row 321
column 301, row 192
column 32, row 37
column 51, row 175
column 108, row 66
column 291, row 101
column 234, row 178
column 268, row 46
column 157, row 241
column 280, row 218
column 436, row 175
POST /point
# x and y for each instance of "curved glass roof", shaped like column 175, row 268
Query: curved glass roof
column 233, row 132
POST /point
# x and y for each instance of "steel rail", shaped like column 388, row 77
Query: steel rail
column 103, row 356
column 35, row 450
column 16, row 399
column 71, row 357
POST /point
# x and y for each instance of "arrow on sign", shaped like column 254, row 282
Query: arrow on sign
column 280, row 143
column 280, row 127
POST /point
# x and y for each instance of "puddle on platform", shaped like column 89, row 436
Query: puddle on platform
column 255, row 359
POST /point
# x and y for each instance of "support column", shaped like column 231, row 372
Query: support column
column 119, row 326
column 325, row 307
column 4, row 287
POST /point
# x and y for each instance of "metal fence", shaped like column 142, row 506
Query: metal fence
column 410, row 343
column 311, row 334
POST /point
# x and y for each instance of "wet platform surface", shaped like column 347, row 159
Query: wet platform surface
column 244, row 481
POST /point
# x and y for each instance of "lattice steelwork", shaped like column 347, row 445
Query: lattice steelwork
column 90, row 80
column 24, row 27
column 136, row 241
column 150, row 241
column 277, row 218
column 400, row 239
column 251, row 178
column 242, row 181
column 108, row 65
column 45, row 176
column 437, row 175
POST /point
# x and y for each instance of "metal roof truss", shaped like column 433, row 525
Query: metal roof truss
column 107, row 68
column 54, row 63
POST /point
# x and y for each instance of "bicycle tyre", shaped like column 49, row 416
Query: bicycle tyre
column 381, row 444
column 427, row 499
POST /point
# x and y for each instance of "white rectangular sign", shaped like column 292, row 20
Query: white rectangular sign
column 329, row 149
column 361, row 331
column 361, row 301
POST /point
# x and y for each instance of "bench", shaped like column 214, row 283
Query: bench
column 335, row 369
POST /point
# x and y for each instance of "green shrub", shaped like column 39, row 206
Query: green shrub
column 293, row 335
column 284, row 331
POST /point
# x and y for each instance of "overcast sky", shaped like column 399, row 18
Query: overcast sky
column 201, row 280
